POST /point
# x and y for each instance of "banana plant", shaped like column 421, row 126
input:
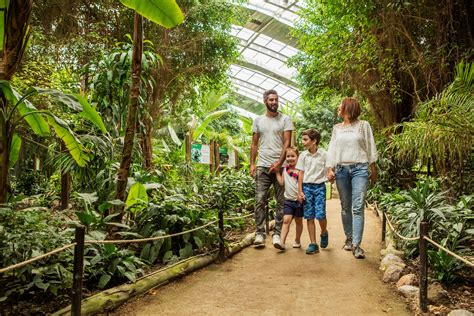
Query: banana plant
column 18, row 111
column 162, row 12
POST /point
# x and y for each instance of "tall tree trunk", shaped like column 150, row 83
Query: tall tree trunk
column 4, row 152
column 123, row 171
column 147, row 145
column 154, row 107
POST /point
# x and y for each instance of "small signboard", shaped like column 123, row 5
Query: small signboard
column 201, row 153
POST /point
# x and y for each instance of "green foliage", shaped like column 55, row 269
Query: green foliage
column 29, row 233
column 441, row 131
column 163, row 12
column 321, row 115
column 449, row 225
column 106, row 265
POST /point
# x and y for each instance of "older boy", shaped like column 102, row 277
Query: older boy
column 312, row 187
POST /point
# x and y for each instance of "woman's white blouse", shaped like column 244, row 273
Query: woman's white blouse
column 351, row 144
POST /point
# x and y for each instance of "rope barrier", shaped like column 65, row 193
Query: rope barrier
column 119, row 241
column 395, row 232
column 238, row 217
column 24, row 263
column 466, row 261
column 469, row 263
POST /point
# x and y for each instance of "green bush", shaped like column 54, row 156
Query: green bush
column 450, row 225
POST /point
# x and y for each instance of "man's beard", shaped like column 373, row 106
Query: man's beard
column 271, row 109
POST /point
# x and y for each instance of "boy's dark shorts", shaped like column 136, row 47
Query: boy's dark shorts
column 294, row 208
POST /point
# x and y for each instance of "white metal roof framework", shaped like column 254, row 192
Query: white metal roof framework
column 265, row 47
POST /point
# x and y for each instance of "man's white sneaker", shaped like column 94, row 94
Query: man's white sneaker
column 259, row 241
column 277, row 242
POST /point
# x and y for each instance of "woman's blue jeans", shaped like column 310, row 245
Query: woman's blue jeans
column 351, row 182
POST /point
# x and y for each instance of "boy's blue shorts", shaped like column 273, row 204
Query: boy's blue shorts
column 315, row 200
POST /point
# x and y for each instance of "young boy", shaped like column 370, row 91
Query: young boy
column 312, row 187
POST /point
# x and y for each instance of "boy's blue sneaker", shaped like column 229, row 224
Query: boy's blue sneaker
column 312, row 248
column 324, row 240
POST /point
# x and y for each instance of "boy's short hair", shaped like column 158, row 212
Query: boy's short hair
column 312, row 134
column 351, row 108
column 293, row 149
column 267, row 93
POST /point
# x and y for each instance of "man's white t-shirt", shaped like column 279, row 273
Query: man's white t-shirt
column 270, row 131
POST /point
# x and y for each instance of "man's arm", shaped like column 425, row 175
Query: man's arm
column 253, row 154
column 286, row 143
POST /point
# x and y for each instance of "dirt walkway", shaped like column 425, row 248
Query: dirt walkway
column 268, row 282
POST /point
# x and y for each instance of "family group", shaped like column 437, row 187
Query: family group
column 299, row 179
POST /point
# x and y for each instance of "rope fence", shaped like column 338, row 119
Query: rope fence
column 115, row 241
column 79, row 253
column 423, row 239
column 24, row 263
column 434, row 243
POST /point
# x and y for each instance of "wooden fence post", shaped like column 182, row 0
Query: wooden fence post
column 221, row 236
column 384, row 226
column 217, row 157
column 212, row 156
column 423, row 248
column 78, row 271
column 187, row 140
column 237, row 159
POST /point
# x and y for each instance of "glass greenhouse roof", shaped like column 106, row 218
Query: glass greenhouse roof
column 265, row 47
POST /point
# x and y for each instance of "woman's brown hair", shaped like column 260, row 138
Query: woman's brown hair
column 351, row 108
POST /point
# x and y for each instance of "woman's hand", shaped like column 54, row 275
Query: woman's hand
column 373, row 174
column 331, row 176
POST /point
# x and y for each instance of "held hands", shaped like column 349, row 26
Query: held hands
column 275, row 167
column 301, row 197
column 331, row 176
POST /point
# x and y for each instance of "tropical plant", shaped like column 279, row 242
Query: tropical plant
column 18, row 109
column 441, row 131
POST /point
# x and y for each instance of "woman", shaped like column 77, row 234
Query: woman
column 351, row 152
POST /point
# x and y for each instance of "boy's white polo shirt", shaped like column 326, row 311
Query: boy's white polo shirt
column 313, row 166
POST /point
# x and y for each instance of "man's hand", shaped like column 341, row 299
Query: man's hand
column 330, row 175
column 301, row 197
column 275, row 167
column 253, row 171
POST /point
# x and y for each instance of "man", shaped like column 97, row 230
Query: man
column 271, row 138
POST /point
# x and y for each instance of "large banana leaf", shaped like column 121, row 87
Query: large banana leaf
column 162, row 12
column 14, row 150
column 72, row 144
column 36, row 121
column 77, row 103
column 89, row 113
column 211, row 117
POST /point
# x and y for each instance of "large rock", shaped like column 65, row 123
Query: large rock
column 437, row 295
column 460, row 312
column 390, row 249
column 393, row 273
column 409, row 290
column 390, row 260
column 408, row 279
